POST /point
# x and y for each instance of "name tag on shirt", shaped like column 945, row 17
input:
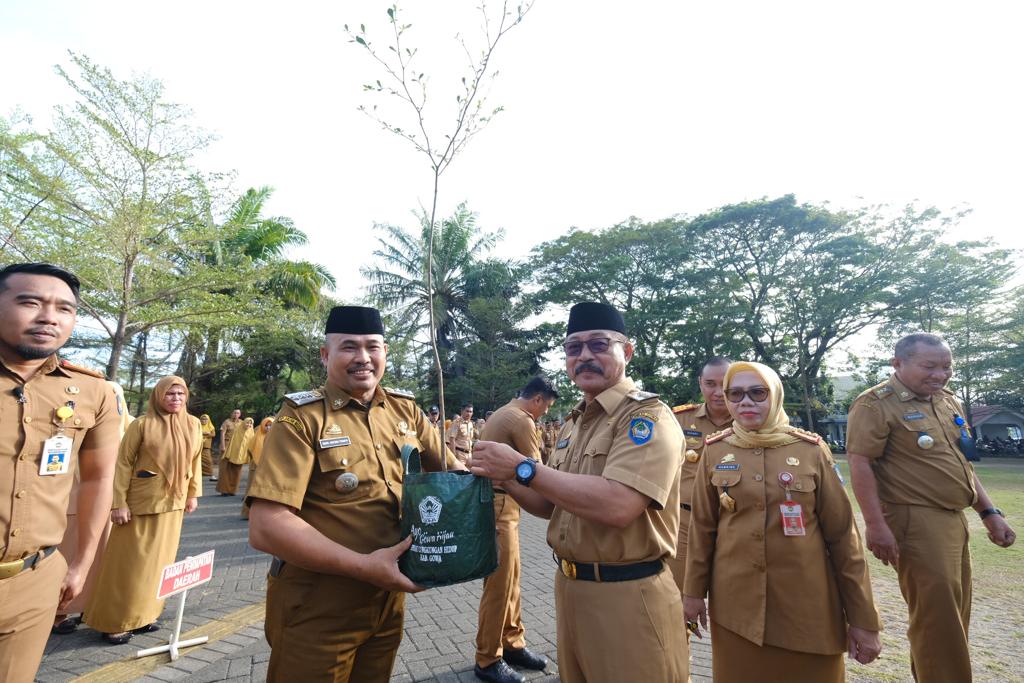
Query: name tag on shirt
column 56, row 456
column 693, row 433
column 792, row 519
column 914, row 416
column 334, row 443
column 564, row 443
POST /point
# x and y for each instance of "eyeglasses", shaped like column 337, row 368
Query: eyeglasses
column 596, row 345
column 756, row 394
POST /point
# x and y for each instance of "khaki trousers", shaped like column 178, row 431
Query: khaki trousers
column 28, row 603
column 935, row 579
column 324, row 628
column 621, row 631
column 500, row 622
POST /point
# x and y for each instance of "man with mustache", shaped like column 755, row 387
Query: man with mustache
column 326, row 501
column 54, row 415
column 611, row 493
column 907, row 443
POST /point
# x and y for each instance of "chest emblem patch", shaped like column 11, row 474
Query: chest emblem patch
column 729, row 457
column 403, row 427
column 333, row 429
column 641, row 429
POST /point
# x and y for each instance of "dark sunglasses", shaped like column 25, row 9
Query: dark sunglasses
column 756, row 394
column 597, row 345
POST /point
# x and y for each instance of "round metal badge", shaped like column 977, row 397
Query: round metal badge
column 924, row 441
column 346, row 483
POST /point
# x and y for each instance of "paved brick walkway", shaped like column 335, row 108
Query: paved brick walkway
column 439, row 631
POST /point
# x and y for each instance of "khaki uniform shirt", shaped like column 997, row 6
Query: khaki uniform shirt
column 696, row 426
column 149, row 495
column 460, row 434
column 33, row 507
column 513, row 426
column 793, row 592
column 227, row 429
column 319, row 436
column 628, row 436
column 885, row 424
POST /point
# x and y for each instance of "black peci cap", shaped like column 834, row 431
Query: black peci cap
column 354, row 320
column 591, row 315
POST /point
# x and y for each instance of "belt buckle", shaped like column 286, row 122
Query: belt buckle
column 9, row 569
column 568, row 569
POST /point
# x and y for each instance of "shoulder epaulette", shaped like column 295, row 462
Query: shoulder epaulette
column 78, row 368
column 809, row 437
column 718, row 436
column 638, row 395
column 402, row 393
column 882, row 391
column 686, row 407
column 301, row 398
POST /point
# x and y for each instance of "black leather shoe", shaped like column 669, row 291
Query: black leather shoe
column 499, row 672
column 148, row 628
column 66, row 626
column 525, row 659
column 117, row 638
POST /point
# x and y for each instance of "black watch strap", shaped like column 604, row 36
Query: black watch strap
column 987, row 512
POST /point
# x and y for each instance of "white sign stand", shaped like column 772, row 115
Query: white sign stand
column 174, row 643
column 178, row 577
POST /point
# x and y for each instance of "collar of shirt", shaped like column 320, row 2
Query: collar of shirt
column 338, row 398
column 609, row 399
column 903, row 393
column 52, row 365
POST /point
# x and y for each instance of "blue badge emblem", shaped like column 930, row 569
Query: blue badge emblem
column 641, row 430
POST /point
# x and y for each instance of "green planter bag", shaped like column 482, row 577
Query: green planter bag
column 451, row 518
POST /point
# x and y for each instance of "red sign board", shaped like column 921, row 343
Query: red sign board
column 188, row 573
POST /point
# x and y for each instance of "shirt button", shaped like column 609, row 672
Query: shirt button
column 758, row 477
column 28, row 419
column 378, row 447
column 759, row 506
column 758, row 451
column 756, row 534
column 20, row 494
column 15, row 532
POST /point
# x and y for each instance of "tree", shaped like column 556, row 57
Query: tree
column 110, row 194
column 409, row 86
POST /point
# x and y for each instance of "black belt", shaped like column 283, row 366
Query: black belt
column 497, row 490
column 10, row 569
column 589, row 571
column 685, row 506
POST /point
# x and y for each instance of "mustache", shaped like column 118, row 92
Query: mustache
column 584, row 367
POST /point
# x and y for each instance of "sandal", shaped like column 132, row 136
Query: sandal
column 118, row 638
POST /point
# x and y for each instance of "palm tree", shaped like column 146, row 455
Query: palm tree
column 398, row 284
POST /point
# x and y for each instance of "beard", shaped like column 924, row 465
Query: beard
column 34, row 352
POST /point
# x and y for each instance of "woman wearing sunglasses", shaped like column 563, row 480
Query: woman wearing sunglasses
column 773, row 543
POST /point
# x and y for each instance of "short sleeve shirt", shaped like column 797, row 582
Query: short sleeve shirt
column 513, row 426
column 338, row 462
column 696, row 426
column 887, row 423
column 631, row 437
column 33, row 507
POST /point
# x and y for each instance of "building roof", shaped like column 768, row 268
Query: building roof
column 982, row 414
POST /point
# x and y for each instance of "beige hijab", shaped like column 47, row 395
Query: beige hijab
column 170, row 439
column 256, row 448
column 776, row 430
column 238, row 449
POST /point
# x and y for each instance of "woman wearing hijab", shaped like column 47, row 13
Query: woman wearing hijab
column 255, row 453
column 233, row 459
column 773, row 540
column 209, row 432
column 68, row 619
column 156, row 481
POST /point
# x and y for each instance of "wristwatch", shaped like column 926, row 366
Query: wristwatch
column 526, row 471
column 988, row 512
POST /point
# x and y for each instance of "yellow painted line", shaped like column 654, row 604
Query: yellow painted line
column 130, row 669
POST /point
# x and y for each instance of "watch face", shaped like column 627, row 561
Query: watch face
column 523, row 470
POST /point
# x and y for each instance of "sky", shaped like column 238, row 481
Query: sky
column 612, row 109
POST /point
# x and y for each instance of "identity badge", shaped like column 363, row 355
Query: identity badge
column 56, row 455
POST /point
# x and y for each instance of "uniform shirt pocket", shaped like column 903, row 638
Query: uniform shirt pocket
column 594, row 456
column 347, row 473
column 725, row 479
